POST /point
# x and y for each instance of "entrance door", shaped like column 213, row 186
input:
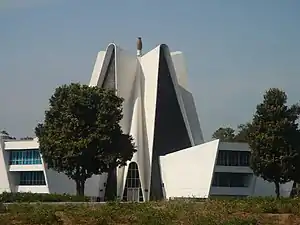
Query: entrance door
column 133, row 191
column 133, row 194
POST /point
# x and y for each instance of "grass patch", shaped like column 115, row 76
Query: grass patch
column 247, row 211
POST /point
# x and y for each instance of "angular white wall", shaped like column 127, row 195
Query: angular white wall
column 265, row 188
column 5, row 185
column 188, row 173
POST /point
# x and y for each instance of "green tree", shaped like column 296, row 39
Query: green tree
column 242, row 133
column 5, row 135
column 224, row 134
column 26, row 138
column 4, row 132
column 274, row 139
column 81, row 135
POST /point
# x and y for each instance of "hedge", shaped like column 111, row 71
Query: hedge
column 8, row 197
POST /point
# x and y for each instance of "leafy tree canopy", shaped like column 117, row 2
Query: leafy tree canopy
column 274, row 139
column 4, row 132
column 228, row 134
column 242, row 133
column 81, row 135
column 6, row 135
column 26, row 138
column 224, row 134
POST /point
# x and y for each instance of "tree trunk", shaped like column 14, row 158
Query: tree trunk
column 294, row 190
column 80, row 187
column 111, row 185
column 277, row 189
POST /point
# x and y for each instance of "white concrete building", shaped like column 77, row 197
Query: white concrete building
column 22, row 170
column 159, row 112
column 214, row 169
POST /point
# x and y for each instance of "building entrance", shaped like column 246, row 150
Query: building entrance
column 133, row 191
column 133, row 194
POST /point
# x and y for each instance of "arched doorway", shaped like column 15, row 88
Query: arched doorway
column 133, row 190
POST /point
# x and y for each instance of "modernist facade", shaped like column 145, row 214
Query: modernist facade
column 214, row 169
column 22, row 170
column 159, row 112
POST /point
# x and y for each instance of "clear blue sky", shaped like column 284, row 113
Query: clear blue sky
column 235, row 50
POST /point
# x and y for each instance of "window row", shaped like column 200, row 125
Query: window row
column 32, row 178
column 25, row 157
column 231, row 179
column 233, row 158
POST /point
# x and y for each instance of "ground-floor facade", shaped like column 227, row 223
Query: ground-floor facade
column 211, row 169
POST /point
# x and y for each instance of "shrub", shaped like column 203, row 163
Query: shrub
column 8, row 197
column 3, row 209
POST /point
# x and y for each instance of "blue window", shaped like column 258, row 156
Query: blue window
column 25, row 157
column 32, row 178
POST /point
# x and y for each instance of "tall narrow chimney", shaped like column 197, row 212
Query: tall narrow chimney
column 139, row 46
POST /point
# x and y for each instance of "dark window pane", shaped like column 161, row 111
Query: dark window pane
column 32, row 178
column 231, row 179
column 233, row 158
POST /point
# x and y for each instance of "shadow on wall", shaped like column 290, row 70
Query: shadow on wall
column 193, row 118
column 170, row 132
